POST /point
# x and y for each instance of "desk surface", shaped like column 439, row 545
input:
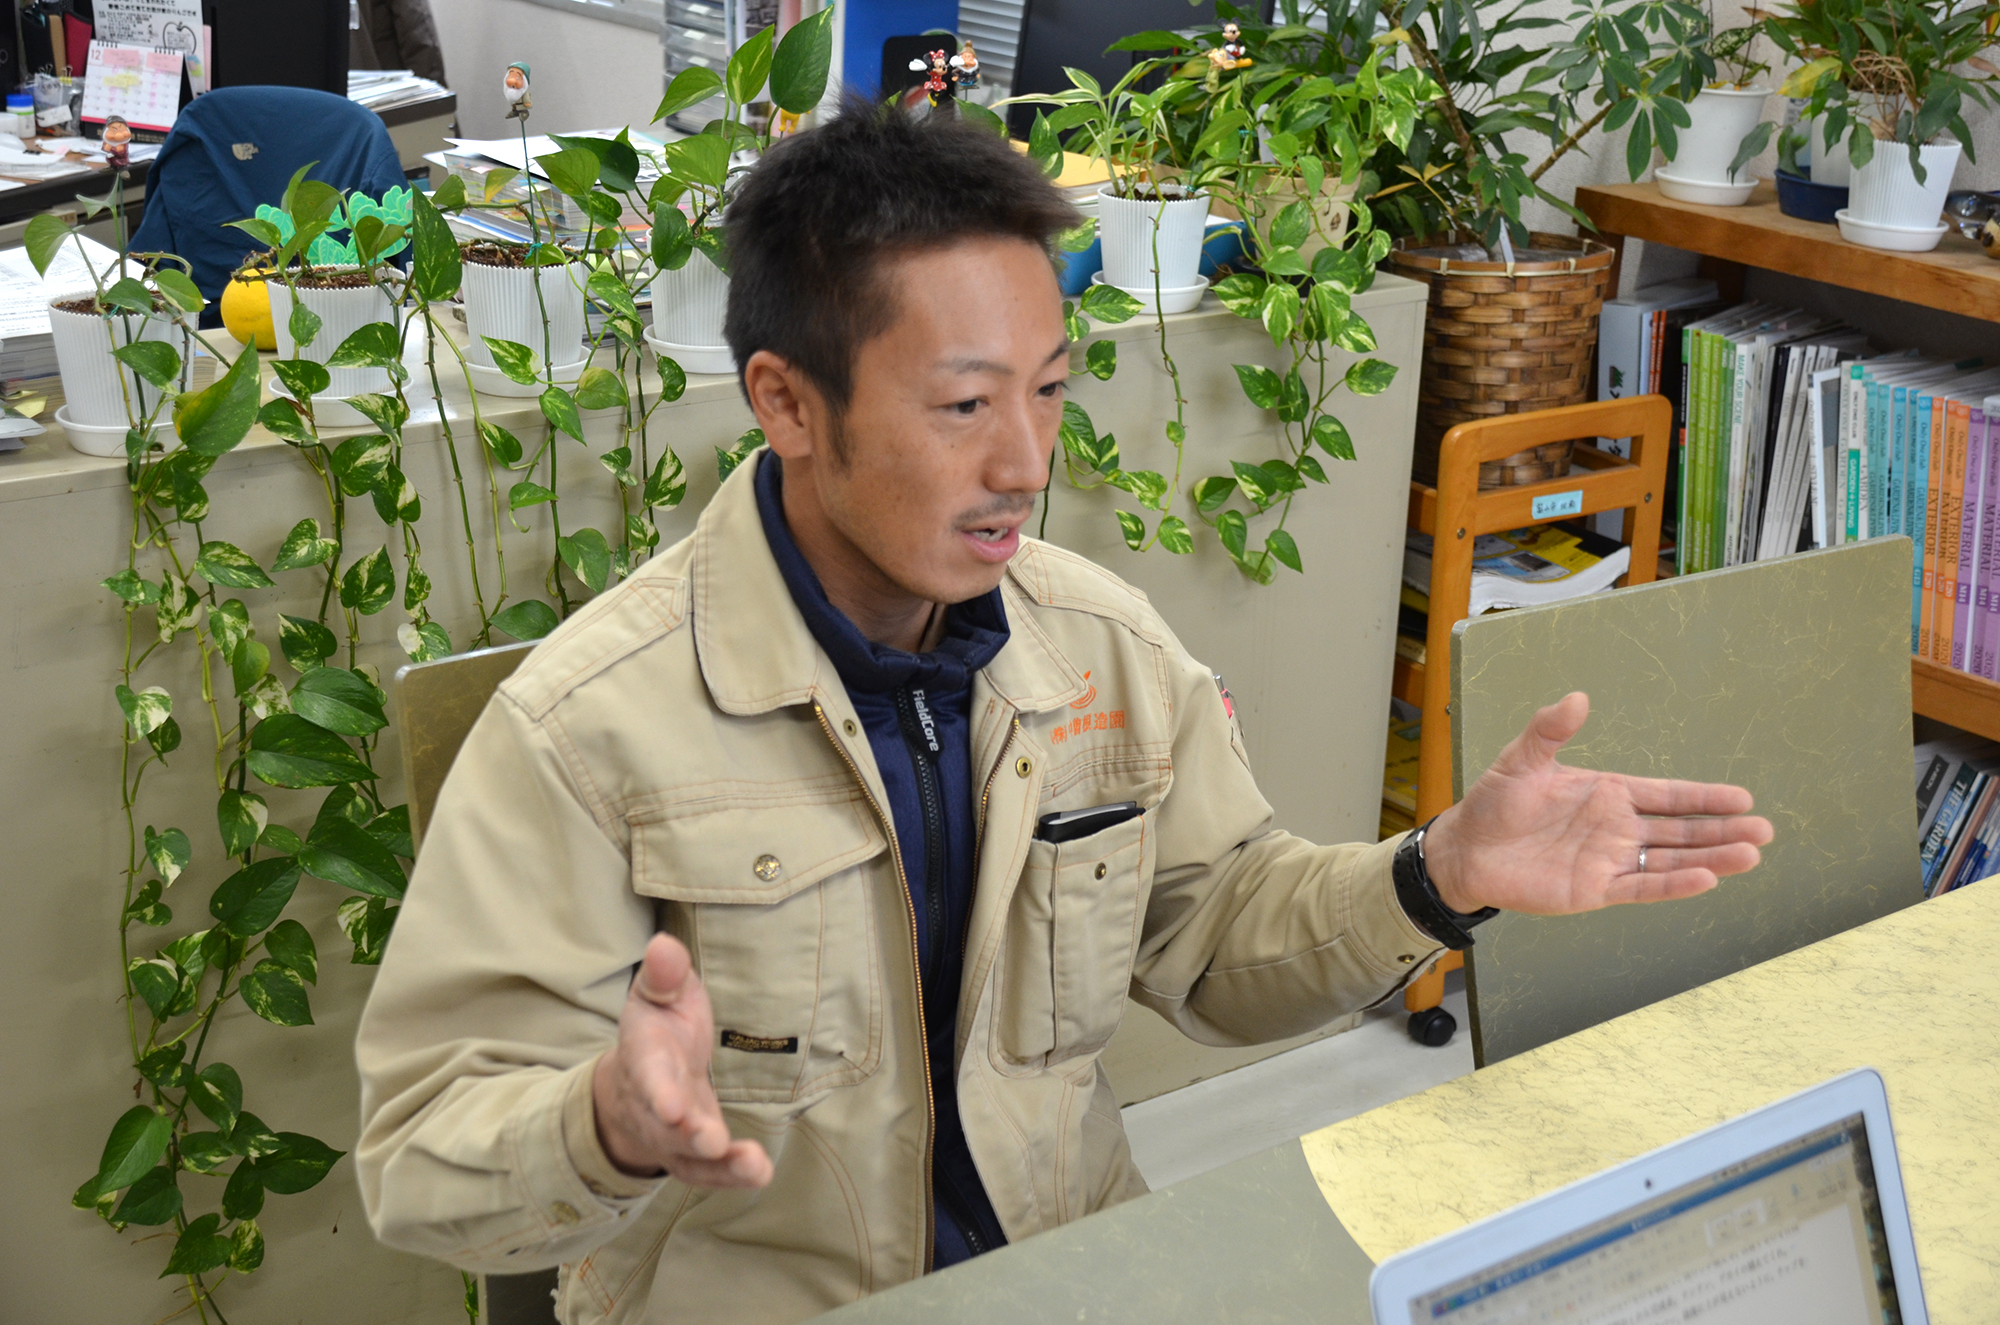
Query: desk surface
column 1253, row 1242
column 1914, row 995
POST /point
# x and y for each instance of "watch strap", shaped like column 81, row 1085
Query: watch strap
column 1419, row 896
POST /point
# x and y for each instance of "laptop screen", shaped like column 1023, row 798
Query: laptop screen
column 1791, row 1236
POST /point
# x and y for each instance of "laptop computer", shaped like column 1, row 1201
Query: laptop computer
column 1789, row 1215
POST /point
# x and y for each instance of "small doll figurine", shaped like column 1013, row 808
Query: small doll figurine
column 516, row 91
column 1232, row 54
column 965, row 72
column 117, row 142
column 938, row 84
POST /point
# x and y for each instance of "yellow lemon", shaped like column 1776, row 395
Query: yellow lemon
column 246, row 311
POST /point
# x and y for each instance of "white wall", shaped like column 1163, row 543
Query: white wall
column 588, row 73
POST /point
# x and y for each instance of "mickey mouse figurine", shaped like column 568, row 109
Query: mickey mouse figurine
column 939, row 82
column 1232, row 54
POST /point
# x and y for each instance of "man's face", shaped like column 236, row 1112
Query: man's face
column 953, row 418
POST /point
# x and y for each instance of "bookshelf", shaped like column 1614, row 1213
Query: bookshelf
column 1955, row 277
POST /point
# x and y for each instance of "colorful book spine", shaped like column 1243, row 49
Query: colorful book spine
column 1981, row 544
column 1874, row 456
column 1928, row 459
column 1704, row 447
column 1989, row 554
column 1951, row 511
column 1897, row 511
column 1919, row 531
column 1851, row 413
column 1719, row 452
column 1972, row 475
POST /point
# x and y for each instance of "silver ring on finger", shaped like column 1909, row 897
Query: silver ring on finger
column 1642, row 860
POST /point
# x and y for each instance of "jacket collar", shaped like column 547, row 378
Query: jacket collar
column 974, row 631
column 757, row 654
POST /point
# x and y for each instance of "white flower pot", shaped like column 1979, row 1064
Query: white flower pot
column 341, row 313
column 688, row 304
column 1885, row 191
column 500, row 302
column 1829, row 166
column 94, row 383
column 1127, row 227
column 1720, row 119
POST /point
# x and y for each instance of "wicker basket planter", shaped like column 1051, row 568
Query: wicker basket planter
column 1504, row 339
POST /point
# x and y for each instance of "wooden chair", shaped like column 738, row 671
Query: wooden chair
column 1456, row 512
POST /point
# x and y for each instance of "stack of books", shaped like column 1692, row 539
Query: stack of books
column 1958, row 784
column 1794, row 435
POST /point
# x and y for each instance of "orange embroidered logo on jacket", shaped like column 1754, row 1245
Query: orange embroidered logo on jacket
column 1089, row 696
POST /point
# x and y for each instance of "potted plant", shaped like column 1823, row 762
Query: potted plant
column 1898, row 74
column 123, row 344
column 691, row 282
column 1153, row 215
column 1513, row 317
column 528, row 293
column 315, row 309
column 1726, row 127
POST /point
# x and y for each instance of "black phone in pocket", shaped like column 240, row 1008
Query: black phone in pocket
column 1070, row 825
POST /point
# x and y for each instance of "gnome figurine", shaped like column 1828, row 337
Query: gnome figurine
column 516, row 92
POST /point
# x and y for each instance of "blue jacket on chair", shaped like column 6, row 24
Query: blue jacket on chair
column 236, row 148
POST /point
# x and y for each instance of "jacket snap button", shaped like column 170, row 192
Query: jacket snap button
column 767, row 868
column 1024, row 766
column 564, row 1213
column 1102, row 869
column 849, row 727
column 1406, row 958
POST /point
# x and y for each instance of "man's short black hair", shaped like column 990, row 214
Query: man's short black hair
column 809, row 229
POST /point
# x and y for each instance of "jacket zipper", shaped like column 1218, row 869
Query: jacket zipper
column 920, row 738
column 916, row 965
column 986, row 794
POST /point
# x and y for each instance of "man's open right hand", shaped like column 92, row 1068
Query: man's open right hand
column 655, row 1107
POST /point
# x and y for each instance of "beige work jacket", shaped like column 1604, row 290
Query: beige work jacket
column 680, row 755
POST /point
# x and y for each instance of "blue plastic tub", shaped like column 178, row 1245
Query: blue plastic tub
column 1798, row 196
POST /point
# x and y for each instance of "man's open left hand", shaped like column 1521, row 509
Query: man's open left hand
column 1538, row 836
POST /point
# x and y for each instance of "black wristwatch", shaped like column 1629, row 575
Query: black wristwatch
column 1420, row 899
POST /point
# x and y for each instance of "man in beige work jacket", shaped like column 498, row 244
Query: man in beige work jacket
column 772, row 920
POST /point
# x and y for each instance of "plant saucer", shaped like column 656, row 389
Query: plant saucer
column 1180, row 299
column 1712, row 193
column 695, row 358
column 488, row 381
column 108, row 439
column 1893, row 238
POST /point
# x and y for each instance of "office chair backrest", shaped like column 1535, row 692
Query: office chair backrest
column 236, row 148
column 438, row 702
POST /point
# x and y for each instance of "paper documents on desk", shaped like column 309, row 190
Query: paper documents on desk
column 1526, row 567
column 25, row 295
column 508, row 151
column 16, row 428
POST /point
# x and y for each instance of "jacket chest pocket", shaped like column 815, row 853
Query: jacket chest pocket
column 1072, row 930
column 774, row 905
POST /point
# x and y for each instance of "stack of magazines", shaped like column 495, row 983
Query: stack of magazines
column 1958, row 784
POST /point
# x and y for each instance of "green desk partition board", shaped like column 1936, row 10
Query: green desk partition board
column 1789, row 677
column 1251, row 1243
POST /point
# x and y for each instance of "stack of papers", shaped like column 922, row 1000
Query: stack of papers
column 380, row 89
column 27, row 350
column 509, row 151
